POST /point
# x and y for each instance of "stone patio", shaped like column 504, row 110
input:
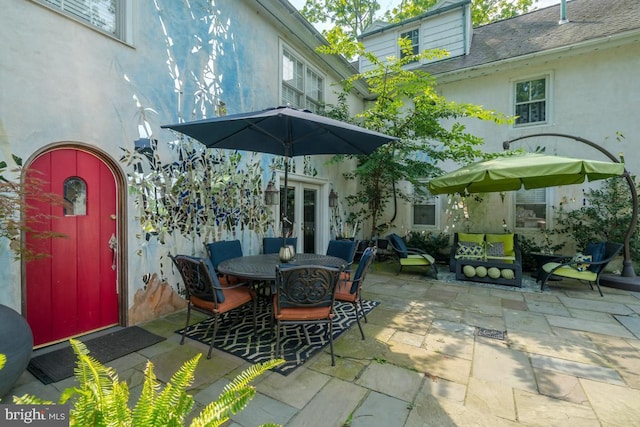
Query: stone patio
column 568, row 357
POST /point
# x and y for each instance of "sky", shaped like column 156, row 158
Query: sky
column 388, row 4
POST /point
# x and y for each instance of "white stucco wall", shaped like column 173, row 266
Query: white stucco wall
column 594, row 94
column 63, row 81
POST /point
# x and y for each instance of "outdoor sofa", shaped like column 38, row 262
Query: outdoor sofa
column 487, row 258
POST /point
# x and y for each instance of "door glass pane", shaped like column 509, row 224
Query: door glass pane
column 75, row 196
column 309, row 228
column 290, row 211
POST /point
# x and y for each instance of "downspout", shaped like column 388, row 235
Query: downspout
column 563, row 12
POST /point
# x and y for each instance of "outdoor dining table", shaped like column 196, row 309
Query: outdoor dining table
column 263, row 267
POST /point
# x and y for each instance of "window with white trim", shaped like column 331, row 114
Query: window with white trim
column 425, row 212
column 302, row 86
column 531, row 97
column 531, row 208
column 414, row 37
column 105, row 15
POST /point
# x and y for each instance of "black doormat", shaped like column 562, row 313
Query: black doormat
column 59, row 364
column 236, row 335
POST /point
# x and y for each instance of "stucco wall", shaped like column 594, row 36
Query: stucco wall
column 63, row 81
column 594, row 94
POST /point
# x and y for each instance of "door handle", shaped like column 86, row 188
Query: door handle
column 113, row 245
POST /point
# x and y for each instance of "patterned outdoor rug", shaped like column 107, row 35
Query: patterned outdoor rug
column 235, row 335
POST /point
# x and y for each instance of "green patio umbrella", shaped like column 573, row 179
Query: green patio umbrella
column 528, row 170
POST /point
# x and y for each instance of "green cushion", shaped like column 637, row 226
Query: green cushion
column 567, row 271
column 506, row 239
column 471, row 237
column 414, row 259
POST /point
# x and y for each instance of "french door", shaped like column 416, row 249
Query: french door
column 306, row 214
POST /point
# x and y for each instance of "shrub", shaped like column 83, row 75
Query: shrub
column 101, row 399
column 429, row 242
column 606, row 215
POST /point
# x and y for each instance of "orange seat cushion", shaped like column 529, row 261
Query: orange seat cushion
column 343, row 291
column 234, row 297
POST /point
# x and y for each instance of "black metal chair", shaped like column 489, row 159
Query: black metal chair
column 601, row 253
column 206, row 295
column 412, row 257
column 272, row 245
column 305, row 295
column 349, row 290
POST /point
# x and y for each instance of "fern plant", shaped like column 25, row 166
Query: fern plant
column 100, row 399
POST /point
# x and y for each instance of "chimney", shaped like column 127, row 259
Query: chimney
column 563, row 12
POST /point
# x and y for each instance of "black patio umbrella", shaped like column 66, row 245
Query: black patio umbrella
column 283, row 131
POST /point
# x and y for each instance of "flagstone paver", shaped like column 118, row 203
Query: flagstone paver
column 332, row 406
column 580, row 370
column 537, row 410
column 614, row 405
column 616, row 330
column 631, row 323
column 560, row 386
column 517, row 320
column 380, row 410
column 499, row 364
column 392, row 380
column 570, row 357
column 491, row 397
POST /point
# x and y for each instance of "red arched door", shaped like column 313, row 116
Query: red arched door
column 74, row 290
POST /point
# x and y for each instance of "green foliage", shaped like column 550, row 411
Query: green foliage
column 351, row 16
column 354, row 16
column 18, row 215
column 432, row 243
column 408, row 107
column 100, row 399
column 606, row 215
column 544, row 244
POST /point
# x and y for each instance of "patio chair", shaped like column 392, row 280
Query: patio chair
column 206, row 295
column 345, row 249
column 304, row 296
column 412, row 257
column 349, row 290
column 222, row 251
column 584, row 270
column 272, row 245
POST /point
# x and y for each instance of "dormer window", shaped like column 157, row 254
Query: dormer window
column 414, row 37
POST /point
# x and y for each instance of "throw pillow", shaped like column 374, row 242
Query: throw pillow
column 495, row 249
column 477, row 238
column 582, row 262
column 506, row 239
column 469, row 250
column 596, row 250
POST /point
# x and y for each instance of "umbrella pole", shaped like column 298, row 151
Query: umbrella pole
column 283, row 214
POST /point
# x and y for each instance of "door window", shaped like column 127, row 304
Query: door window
column 75, row 196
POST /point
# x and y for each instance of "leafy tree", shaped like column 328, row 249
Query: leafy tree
column 354, row 16
column 351, row 16
column 406, row 105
